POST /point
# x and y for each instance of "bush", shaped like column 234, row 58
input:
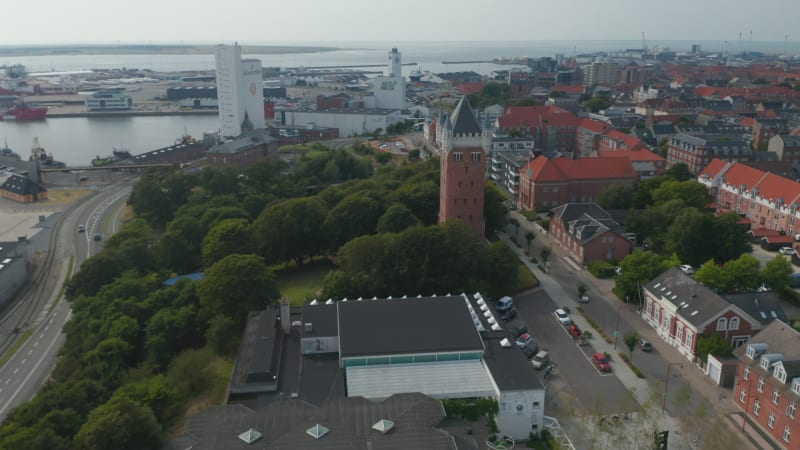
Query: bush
column 602, row 269
column 383, row 158
column 635, row 369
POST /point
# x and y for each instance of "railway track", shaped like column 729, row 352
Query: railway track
column 20, row 315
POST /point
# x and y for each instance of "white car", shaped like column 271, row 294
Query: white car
column 687, row 269
column 562, row 316
column 787, row 251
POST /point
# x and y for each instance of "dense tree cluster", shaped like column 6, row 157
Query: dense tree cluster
column 137, row 351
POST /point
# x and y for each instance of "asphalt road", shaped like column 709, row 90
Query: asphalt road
column 577, row 383
column 25, row 372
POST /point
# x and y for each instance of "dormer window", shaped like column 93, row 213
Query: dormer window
column 780, row 373
column 796, row 386
column 764, row 363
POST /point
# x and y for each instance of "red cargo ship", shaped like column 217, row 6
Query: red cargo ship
column 24, row 112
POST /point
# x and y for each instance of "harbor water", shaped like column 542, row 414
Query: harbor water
column 78, row 140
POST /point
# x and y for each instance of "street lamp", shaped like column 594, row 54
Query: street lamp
column 666, row 383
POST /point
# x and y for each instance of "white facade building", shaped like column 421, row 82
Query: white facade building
column 240, row 91
column 350, row 122
column 109, row 100
column 389, row 92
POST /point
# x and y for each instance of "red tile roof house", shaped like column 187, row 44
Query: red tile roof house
column 546, row 183
column 682, row 310
column 552, row 128
column 767, row 387
column 770, row 201
column 646, row 164
column 588, row 232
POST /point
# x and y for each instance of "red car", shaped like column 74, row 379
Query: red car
column 574, row 331
column 601, row 362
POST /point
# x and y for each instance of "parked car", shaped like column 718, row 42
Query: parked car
column 787, row 251
column 601, row 362
column 540, row 360
column 584, row 298
column 81, row 228
column 504, row 304
column 562, row 316
column 645, row 345
column 97, row 237
column 574, row 331
column 524, row 339
column 518, row 330
column 687, row 269
column 509, row 315
column 530, row 351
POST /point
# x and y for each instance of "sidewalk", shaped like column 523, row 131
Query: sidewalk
column 719, row 399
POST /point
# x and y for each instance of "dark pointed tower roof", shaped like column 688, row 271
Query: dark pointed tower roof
column 247, row 125
column 463, row 118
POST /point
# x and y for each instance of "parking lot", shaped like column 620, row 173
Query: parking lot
column 576, row 385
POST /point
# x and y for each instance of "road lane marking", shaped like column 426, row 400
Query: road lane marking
column 23, row 361
column 16, row 370
column 32, row 371
column 30, row 352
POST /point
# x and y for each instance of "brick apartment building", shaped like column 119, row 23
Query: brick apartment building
column 767, row 200
column 681, row 310
column 546, row 183
column 767, row 387
column 588, row 232
column 697, row 151
column 552, row 128
column 786, row 147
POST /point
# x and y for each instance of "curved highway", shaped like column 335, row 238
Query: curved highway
column 35, row 315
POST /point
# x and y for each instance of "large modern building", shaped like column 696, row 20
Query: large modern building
column 444, row 347
column 240, row 91
column 463, row 167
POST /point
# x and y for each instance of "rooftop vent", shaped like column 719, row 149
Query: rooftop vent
column 505, row 342
column 317, row 431
column 484, row 307
column 496, row 327
column 694, row 313
column 487, row 314
column 250, row 436
column 383, row 425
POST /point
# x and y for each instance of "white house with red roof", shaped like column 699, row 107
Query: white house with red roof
column 769, row 201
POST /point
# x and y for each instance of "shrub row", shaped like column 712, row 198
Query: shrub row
column 595, row 325
column 631, row 365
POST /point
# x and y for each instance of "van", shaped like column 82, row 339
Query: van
column 504, row 304
column 540, row 359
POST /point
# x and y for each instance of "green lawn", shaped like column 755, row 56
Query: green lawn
column 525, row 279
column 299, row 284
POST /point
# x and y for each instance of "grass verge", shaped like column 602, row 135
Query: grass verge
column 525, row 279
column 631, row 365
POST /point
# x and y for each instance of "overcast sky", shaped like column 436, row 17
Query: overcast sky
column 272, row 21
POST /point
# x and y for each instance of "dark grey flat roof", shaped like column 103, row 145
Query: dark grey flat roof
column 322, row 318
column 350, row 420
column 406, row 325
column 260, row 349
column 510, row 369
